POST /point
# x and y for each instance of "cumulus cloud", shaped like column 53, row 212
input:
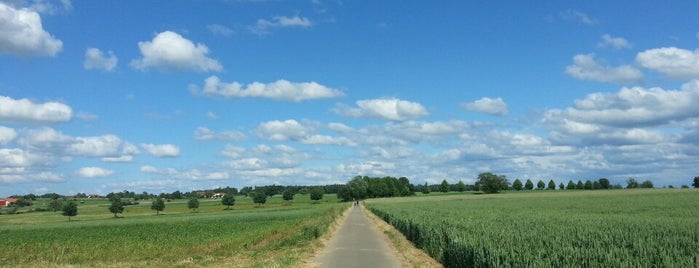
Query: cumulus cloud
column 283, row 130
column 162, row 150
column 388, row 109
column 97, row 146
column 262, row 26
column 586, row 67
column 487, row 105
column 26, row 111
column 22, row 33
column 280, row 90
column 7, row 135
column 629, row 116
column 95, row 59
column 170, row 52
column 202, row 133
column 93, row 172
column 671, row 61
column 614, row 42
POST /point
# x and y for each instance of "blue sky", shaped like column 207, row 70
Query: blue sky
column 100, row 96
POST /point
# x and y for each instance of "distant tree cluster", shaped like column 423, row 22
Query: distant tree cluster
column 491, row 183
column 371, row 187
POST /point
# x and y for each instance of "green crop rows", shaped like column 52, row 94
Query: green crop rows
column 619, row 228
column 277, row 234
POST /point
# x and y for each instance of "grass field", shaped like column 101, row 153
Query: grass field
column 613, row 228
column 276, row 234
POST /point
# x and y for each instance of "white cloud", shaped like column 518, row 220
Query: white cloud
column 262, row 26
column 163, row 150
column 170, row 52
column 202, row 133
column 614, row 42
column 7, row 135
column 630, row 116
column 388, row 109
column 671, row 61
column 637, row 105
column 279, row 90
column 575, row 15
column 586, row 67
column 18, row 158
column 118, row 159
column 487, row 105
column 22, row 33
column 93, row 172
column 45, row 139
column 95, row 59
column 98, row 146
column 283, row 130
column 26, row 111
column 220, row 30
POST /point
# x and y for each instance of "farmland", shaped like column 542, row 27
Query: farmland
column 612, row 228
column 274, row 234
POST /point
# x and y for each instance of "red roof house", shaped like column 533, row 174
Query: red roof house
column 6, row 202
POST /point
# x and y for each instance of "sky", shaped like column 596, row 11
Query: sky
column 158, row 96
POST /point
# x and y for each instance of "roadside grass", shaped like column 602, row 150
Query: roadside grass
column 276, row 234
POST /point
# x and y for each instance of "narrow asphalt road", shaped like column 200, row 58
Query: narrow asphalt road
column 358, row 243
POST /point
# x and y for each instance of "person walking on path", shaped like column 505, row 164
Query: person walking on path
column 358, row 243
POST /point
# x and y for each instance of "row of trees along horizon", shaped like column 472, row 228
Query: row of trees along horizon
column 373, row 186
column 360, row 187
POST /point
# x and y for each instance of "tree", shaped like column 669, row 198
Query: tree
column 571, row 185
column 228, row 200
column 491, row 183
column 631, row 183
column 317, row 193
column 288, row 195
column 561, row 186
column 696, row 182
column 444, row 186
column 646, row 184
column 358, row 187
column 344, row 194
column 552, row 185
column 580, row 185
column 426, row 188
column 460, row 186
column 193, row 203
column 158, row 205
column 540, row 185
column 55, row 205
column 604, row 183
column 588, row 185
column 116, row 207
column 529, row 185
column 259, row 198
column 70, row 209
column 517, row 185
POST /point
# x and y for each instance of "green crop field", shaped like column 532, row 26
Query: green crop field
column 277, row 234
column 606, row 228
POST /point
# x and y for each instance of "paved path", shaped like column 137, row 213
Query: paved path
column 357, row 244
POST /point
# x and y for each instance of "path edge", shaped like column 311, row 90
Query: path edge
column 402, row 248
column 322, row 242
